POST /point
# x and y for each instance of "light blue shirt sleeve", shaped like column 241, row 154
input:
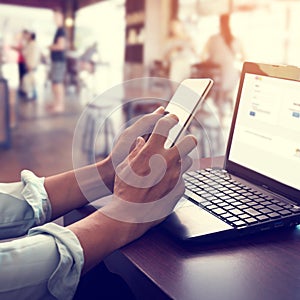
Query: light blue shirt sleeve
column 23, row 205
column 46, row 263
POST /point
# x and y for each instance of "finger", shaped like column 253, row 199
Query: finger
column 140, row 142
column 184, row 146
column 159, row 110
column 144, row 125
column 162, row 129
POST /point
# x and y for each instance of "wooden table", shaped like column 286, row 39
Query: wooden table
column 261, row 267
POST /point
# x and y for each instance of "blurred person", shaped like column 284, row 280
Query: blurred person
column 10, row 72
column 32, row 57
column 22, row 39
column 226, row 51
column 56, row 262
column 58, row 64
column 179, row 52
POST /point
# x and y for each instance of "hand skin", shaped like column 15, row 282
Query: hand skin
column 102, row 232
column 63, row 190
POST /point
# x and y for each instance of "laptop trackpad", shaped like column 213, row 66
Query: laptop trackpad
column 190, row 221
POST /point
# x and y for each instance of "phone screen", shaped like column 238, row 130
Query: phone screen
column 184, row 103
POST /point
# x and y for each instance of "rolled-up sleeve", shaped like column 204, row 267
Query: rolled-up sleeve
column 23, row 205
column 46, row 264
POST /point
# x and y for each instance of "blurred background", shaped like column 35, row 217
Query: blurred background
column 114, row 41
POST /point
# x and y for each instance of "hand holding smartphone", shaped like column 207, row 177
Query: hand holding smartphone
column 184, row 104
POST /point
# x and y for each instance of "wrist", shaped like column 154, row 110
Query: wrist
column 97, row 180
column 100, row 235
column 106, row 171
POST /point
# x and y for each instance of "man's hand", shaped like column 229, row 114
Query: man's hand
column 149, row 182
column 97, row 181
column 126, row 141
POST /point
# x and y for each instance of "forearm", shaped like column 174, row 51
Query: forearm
column 100, row 235
column 76, row 188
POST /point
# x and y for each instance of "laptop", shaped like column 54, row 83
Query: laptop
column 258, row 188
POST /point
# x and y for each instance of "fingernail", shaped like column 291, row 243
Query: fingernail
column 161, row 109
column 139, row 140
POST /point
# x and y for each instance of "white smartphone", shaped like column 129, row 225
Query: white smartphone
column 184, row 104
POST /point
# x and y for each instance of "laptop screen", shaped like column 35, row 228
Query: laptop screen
column 265, row 134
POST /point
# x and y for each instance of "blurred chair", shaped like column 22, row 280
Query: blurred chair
column 145, row 95
column 98, row 133
column 206, row 127
column 207, row 69
column 158, row 69
column 209, row 133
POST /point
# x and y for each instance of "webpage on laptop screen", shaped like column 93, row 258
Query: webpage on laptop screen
column 267, row 131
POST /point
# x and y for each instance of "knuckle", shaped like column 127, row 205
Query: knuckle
column 163, row 122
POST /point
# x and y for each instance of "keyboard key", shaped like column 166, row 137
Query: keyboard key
column 275, row 207
column 211, row 198
column 236, row 203
column 252, row 212
column 253, row 197
column 285, row 212
column 236, row 188
column 236, row 212
column 206, row 203
column 227, row 215
column 274, row 215
column 225, row 197
column 246, row 200
column 295, row 209
column 265, row 211
column 258, row 207
column 222, row 204
column 219, row 195
column 232, row 219
column 228, row 207
column 258, row 193
column 267, row 197
column 247, row 194
column 239, row 223
column 244, row 216
column 216, row 201
column 230, row 200
column 266, row 203
column 288, row 206
column 204, row 194
column 262, row 218
column 224, row 189
column 211, row 207
column 233, row 195
column 210, row 189
column 251, row 221
column 242, row 207
column 219, row 211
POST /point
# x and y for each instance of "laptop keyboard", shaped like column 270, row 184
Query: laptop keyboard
column 232, row 201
